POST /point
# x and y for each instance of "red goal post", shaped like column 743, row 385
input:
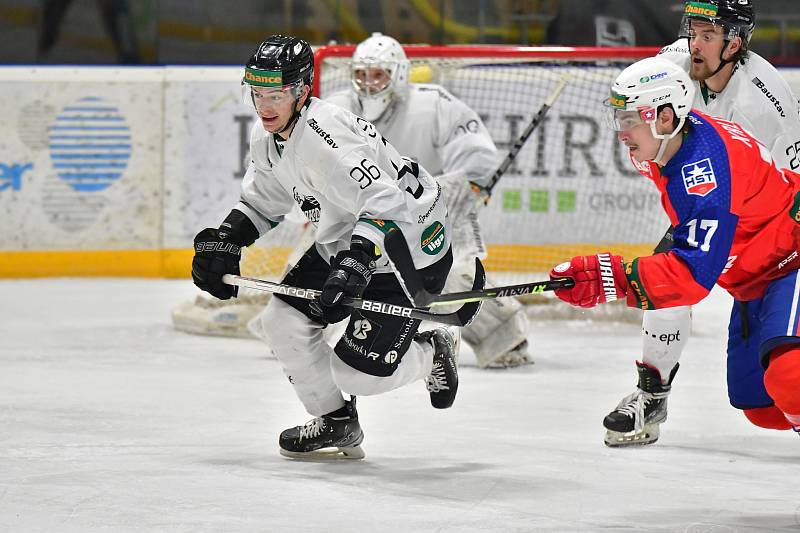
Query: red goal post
column 535, row 53
column 572, row 189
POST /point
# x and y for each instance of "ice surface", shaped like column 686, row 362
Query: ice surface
column 112, row 421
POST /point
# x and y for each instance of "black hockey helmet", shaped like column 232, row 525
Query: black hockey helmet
column 280, row 61
column 736, row 17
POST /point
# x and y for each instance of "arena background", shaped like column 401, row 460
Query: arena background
column 160, row 80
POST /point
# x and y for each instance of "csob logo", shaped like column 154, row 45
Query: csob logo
column 11, row 175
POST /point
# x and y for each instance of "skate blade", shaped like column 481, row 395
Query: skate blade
column 344, row 453
column 648, row 435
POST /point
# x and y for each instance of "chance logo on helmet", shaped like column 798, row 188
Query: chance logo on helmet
column 263, row 78
column 618, row 100
column 700, row 8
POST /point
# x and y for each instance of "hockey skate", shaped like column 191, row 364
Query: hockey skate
column 636, row 419
column 325, row 438
column 442, row 382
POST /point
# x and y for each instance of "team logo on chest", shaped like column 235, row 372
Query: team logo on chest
column 308, row 205
column 698, row 177
column 432, row 239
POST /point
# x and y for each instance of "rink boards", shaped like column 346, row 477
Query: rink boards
column 112, row 171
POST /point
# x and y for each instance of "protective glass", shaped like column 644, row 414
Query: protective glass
column 624, row 120
column 261, row 98
column 706, row 31
column 371, row 78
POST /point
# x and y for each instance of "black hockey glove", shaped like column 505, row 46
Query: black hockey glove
column 351, row 272
column 217, row 252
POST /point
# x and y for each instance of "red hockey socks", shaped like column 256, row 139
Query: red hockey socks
column 767, row 417
column 782, row 381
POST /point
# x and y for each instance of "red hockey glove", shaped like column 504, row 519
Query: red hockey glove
column 598, row 279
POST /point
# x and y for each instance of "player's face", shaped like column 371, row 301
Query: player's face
column 371, row 80
column 641, row 144
column 706, row 42
column 274, row 105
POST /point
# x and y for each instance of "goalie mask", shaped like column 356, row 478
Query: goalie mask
column 641, row 89
column 279, row 69
column 379, row 75
column 735, row 17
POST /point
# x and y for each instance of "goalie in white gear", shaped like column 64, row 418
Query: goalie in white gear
column 738, row 85
column 426, row 122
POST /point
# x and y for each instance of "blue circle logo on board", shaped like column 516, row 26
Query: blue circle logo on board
column 90, row 144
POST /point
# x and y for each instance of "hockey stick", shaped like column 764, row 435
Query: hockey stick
column 519, row 143
column 461, row 317
column 397, row 249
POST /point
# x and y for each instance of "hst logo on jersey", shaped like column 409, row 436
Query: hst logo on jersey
column 698, row 177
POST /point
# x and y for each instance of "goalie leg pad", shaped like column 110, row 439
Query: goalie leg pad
column 665, row 333
column 224, row 318
column 300, row 347
column 499, row 329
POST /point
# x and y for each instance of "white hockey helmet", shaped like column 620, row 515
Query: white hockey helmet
column 642, row 88
column 379, row 52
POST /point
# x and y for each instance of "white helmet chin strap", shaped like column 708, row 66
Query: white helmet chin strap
column 665, row 138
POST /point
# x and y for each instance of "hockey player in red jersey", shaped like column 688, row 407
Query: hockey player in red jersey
column 733, row 82
column 737, row 224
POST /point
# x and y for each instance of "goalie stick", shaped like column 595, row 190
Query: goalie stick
column 400, row 256
column 519, row 143
column 461, row 317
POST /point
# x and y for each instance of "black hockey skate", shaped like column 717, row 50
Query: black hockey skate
column 442, row 382
column 326, row 437
column 636, row 419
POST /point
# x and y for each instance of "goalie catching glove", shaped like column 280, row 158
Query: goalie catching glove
column 351, row 272
column 598, row 279
column 217, row 252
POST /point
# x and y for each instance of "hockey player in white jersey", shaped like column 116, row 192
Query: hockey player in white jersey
column 737, row 85
column 444, row 135
column 354, row 187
